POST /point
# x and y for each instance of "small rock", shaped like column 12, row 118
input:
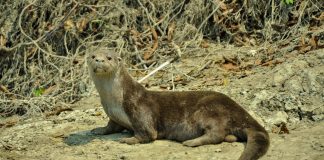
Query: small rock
column 218, row 150
column 57, row 135
column 294, row 85
column 278, row 118
column 293, row 120
column 320, row 54
column 80, row 152
column 318, row 117
column 284, row 72
column 106, row 148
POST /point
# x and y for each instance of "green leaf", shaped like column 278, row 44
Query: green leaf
column 38, row 92
column 288, row 1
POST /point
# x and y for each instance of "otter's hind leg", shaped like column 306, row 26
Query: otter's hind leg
column 204, row 139
column 211, row 136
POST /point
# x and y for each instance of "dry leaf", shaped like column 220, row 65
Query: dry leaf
column 230, row 66
column 9, row 122
column 258, row 62
column 4, row 89
column 134, row 33
column 57, row 111
column 204, row 44
column 314, row 42
column 3, row 40
column 177, row 78
column 225, row 81
column 280, row 129
column 49, row 90
column 271, row 50
column 302, row 44
column 58, row 135
column 68, row 25
column 321, row 17
column 82, row 24
column 148, row 54
column 305, row 49
column 97, row 113
column 171, row 29
column 164, row 86
column 221, row 4
column 272, row 62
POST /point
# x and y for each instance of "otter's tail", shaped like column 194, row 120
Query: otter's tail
column 257, row 144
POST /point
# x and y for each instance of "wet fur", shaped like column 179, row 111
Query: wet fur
column 192, row 117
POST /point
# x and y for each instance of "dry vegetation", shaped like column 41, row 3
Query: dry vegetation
column 43, row 42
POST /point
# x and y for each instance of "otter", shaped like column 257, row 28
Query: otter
column 194, row 118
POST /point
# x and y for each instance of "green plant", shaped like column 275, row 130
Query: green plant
column 288, row 1
column 38, row 92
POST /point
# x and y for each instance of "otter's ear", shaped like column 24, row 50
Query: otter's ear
column 119, row 59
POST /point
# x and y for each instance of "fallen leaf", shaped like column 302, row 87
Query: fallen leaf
column 4, row 89
column 230, row 66
column 314, row 42
column 221, row 4
column 58, row 135
column 171, row 29
column 68, row 25
column 305, row 49
column 280, row 129
column 57, row 111
column 9, row 122
column 225, row 81
column 49, row 90
column 3, row 40
column 164, row 86
column 149, row 53
column 82, row 24
column 177, row 78
column 204, row 44
column 258, row 62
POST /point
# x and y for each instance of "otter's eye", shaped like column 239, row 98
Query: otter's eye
column 93, row 57
column 109, row 58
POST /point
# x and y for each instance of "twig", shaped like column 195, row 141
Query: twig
column 205, row 65
column 150, row 51
column 177, row 48
column 145, row 62
column 32, row 40
column 49, row 34
column 149, row 16
column 172, row 79
column 206, row 19
column 157, row 69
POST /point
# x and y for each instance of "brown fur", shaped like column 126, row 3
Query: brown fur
column 192, row 117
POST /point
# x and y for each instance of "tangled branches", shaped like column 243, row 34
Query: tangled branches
column 43, row 42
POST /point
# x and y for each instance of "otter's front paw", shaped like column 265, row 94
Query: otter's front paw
column 131, row 140
column 100, row 131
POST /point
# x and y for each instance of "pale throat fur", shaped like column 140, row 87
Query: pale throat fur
column 108, row 83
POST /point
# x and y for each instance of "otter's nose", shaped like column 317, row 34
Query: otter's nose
column 98, row 58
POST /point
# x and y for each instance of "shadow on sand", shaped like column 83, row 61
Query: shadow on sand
column 84, row 137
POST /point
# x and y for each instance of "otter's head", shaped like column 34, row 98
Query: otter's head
column 103, row 62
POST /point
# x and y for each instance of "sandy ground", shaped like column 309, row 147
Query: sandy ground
column 67, row 136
